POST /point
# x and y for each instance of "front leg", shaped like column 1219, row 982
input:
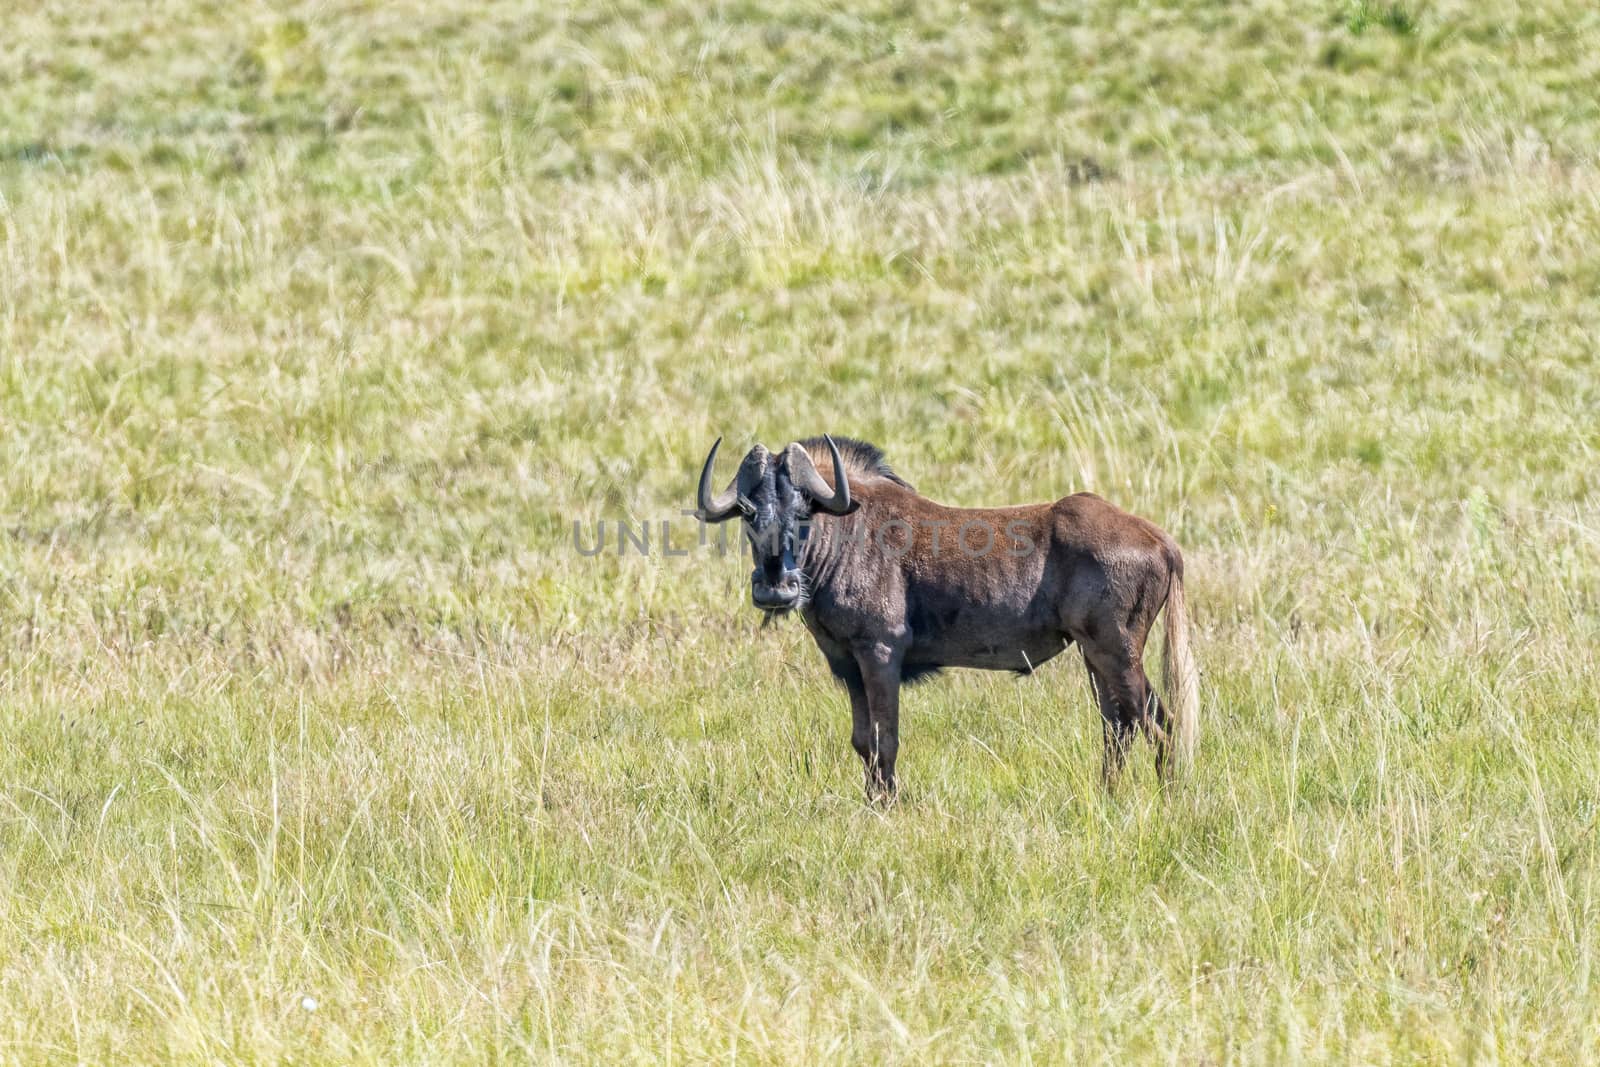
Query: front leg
column 842, row 662
column 877, row 732
column 861, row 726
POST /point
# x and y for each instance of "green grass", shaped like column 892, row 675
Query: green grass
column 321, row 324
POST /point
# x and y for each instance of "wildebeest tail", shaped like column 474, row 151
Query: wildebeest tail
column 1178, row 674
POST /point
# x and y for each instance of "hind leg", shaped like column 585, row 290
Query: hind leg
column 1127, row 701
column 1115, row 731
column 1160, row 732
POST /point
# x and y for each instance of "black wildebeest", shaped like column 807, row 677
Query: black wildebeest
column 894, row 587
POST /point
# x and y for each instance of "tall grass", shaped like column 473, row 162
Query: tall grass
column 321, row 325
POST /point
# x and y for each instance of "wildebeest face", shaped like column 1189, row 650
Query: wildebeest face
column 776, row 497
column 774, row 526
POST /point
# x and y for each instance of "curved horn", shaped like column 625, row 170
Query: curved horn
column 720, row 508
column 803, row 472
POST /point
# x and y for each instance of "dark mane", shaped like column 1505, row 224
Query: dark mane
column 860, row 457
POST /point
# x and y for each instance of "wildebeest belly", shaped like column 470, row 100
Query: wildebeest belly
column 964, row 632
column 1021, row 656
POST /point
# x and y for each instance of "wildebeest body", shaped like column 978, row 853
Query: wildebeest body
column 895, row 587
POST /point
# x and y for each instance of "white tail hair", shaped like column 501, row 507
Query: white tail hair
column 1179, row 676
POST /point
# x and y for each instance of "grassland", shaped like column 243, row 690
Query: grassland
column 322, row 323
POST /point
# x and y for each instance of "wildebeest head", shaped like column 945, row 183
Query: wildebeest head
column 776, row 497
